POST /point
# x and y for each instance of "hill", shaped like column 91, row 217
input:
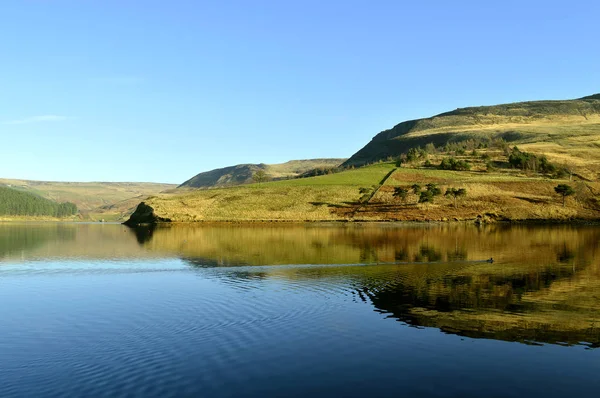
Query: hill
column 567, row 132
column 112, row 201
column 15, row 203
column 506, row 158
column 242, row 173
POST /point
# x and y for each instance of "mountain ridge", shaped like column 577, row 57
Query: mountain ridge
column 242, row 173
column 519, row 122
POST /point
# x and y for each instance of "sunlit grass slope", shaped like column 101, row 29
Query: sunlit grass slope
column 564, row 131
column 95, row 200
column 491, row 196
column 306, row 199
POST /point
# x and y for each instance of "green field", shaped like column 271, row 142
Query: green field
column 501, row 195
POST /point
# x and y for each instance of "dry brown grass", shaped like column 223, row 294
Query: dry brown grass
column 502, row 195
column 95, row 200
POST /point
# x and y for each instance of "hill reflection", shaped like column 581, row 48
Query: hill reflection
column 543, row 286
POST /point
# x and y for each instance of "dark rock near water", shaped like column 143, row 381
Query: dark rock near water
column 144, row 214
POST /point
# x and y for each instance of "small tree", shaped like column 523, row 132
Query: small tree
column 564, row 190
column 416, row 188
column 433, row 188
column 259, row 176
column 401, row 193
column 455, row 193
column 426, row 197
column 365, row 194
column 430, row 193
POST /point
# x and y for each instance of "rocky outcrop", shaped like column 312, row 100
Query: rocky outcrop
column 144, row 214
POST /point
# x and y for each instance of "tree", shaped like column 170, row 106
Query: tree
column 19, row 203
column 259, row 176
column 433, row 188
column 426, row 197
column 401, row 193
column 564, row 190
column 416, row 188
column 455, row 193
column 412, row 154
column 453, row 164
column 366, row 193
column 429, row 194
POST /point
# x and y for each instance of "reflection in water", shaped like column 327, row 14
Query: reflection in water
column 16, row 240
column 344, row 310
column 543, row 286
column 76, row 241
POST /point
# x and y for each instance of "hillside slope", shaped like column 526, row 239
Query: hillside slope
column 95, row 200
column 16, row 203
column 242, row 173
column 502, row 195
column 473, row 150
column 565, row 131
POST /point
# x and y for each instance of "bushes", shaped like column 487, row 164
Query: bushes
column 529, row 161
column 454, row 164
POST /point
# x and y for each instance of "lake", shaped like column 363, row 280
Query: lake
column 299, row 310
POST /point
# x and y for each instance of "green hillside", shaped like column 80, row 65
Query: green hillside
column 95, row 200
column 17, row 203
column 505, row 161
column 567, row 132
column 242, row 173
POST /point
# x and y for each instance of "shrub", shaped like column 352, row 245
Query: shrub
column 453, row 164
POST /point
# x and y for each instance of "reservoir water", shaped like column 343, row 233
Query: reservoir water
column 299, row 310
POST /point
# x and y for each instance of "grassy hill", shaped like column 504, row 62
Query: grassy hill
column 558, row 143
column 242, row 173
column 567, row 132
column 111, row 201
column 492, row 196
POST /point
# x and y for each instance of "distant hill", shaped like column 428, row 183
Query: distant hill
column 95, row 200
column 18, row 203
column 589, row 97
column 242, row 173
column 566, row 131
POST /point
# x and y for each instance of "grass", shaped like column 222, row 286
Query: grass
column 242, row 173
column 287, row 200
column 366, row 176
column 567, row 132
column 95, row 200
column 500, row 195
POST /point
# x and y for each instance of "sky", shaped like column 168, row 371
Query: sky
column 116, row 90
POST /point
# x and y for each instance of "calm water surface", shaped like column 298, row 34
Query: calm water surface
column 230, row 311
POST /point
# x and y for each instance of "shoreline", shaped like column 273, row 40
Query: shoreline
column 592, row 222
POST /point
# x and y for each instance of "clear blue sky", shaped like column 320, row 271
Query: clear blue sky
column 161, row 90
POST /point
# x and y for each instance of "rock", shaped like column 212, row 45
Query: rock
column 144, row 214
